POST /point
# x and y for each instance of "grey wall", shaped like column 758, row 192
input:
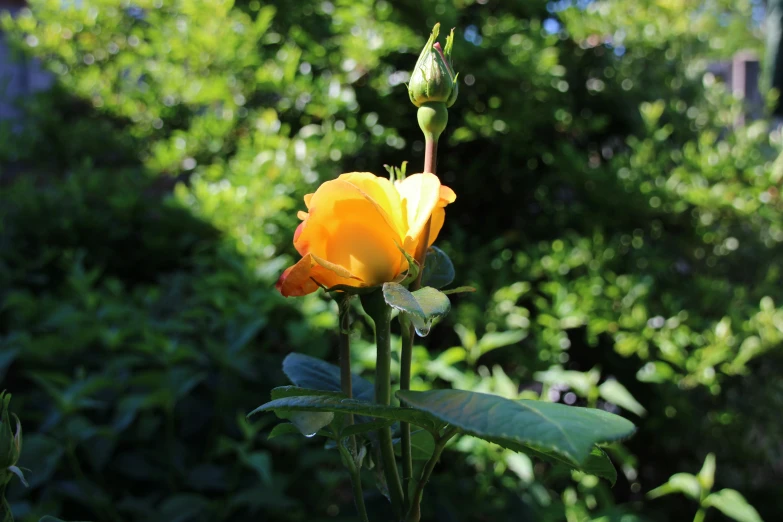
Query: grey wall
column 18, row 77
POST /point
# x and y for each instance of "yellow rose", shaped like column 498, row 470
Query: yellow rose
column 355, row 227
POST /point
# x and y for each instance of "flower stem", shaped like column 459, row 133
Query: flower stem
column 414, row 514
column 343, row 335
column 430, row 154
column 349, row 454
column 376, row 307
column 406, row 355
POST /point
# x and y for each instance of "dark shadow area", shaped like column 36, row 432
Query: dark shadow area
column 130, row 334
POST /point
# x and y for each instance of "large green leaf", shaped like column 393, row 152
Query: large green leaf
column 568, row 432
column 425, row 306
column 438, row 269
column 732, row 504
column 309, row 372
column 336, row 404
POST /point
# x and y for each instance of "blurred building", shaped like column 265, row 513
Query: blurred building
column 19, row 76
column 742, row 76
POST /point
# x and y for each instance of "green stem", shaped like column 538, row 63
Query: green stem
column 343, row 335
column 358, row 495
column 346, row 385
column 433, row 118
column 376, row 307
column 432, row 131
column 700, row 514
column 430, row 154
column 5, row 507
column 414, row 514
column 356, row 481
column 406, row 356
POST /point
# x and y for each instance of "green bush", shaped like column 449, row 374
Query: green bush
column 623, row 234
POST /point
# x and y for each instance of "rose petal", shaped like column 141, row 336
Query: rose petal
column 348, row 228
column 296, row 280
column 382, row 192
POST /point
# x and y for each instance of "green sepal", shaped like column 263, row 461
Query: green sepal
column 413, row 269
column 433, row 79
column 424, row 307
column 438, row 269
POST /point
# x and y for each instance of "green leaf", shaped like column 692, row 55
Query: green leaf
column 264, row 19
column 413, row 269
column 261, row 463
column 42, row 454
column 684, row 483
column 438, row 269
column 600, row 465
column 459, row 290
column 18, row 472
column 707, row 474
column 424, row 306
column 581, row 382
column 284, row 428
column 732, row 504
column 295, row 391
column 422, row 445
column 434, row 303
column 655, row 372
column 309, row 372
column 618, row 394
column 566, row 431
column 400, row 298
column 48, row 518
column 363, row 427
column 494, row 340
column 308, row 423
column 345, row 405
column 597, row 463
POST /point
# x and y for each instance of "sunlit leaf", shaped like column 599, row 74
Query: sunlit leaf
column 566, row 433
column 732, row 504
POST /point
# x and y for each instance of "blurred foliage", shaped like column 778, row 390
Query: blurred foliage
column 623, row 232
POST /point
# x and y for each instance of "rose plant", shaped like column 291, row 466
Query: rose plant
column 372, row 237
